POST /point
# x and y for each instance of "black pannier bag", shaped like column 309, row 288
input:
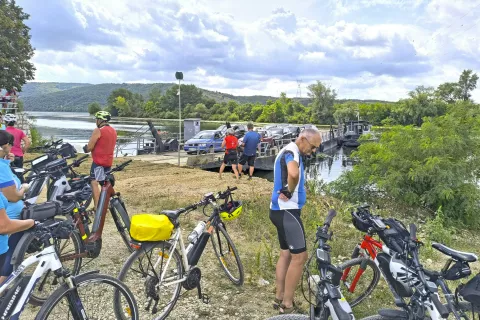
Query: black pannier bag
column 471, row 292
column 395, row 235
column 66, row 150
column 42, row 211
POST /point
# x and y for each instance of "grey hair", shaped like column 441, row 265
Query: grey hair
column 250, row 125
column 309, row 132
column 230, row 131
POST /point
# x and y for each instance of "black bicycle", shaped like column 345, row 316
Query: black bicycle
column 162, row 265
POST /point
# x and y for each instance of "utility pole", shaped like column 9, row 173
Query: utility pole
column 179, row 77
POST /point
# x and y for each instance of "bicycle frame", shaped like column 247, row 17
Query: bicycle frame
column 47, row 260
column 370, row 245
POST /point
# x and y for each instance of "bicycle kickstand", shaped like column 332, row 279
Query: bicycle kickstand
column 202, row 296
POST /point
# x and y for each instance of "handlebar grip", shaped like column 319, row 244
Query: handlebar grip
column 126, row 163
column 413, row 231
column 439, row 306
column 59, row 141
column 232, row 189
column 331, row 214
column 83, row 157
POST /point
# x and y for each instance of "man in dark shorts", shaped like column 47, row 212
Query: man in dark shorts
column 101, row 144
column 288, row 197
column 250, row 145
column 230, row 143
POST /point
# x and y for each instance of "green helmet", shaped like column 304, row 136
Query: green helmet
column 103, row 115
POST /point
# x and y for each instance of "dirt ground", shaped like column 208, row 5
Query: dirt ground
column 147, row 187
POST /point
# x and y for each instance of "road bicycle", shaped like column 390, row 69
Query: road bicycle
column 84, row 241
column 159, row 269
column 72, row 299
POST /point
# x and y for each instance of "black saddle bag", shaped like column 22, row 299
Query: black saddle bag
column 42, row 211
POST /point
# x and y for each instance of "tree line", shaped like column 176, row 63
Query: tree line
column 323, row 108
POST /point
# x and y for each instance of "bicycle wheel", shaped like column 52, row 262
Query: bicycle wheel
column 360, row 277
column 139, row 275
column 29, row 245
column 227, row 255
column 97, row 294
column 122, row 222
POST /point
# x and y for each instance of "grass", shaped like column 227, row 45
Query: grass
column 148, row 187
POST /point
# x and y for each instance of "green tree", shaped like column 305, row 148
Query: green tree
column 466, row 84
column 94, row 107
column 15, row 49
column 435, row 167
column 322, row 104
column 448, row 92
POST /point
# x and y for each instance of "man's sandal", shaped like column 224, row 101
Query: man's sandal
column 293, row 309
column 276, row 303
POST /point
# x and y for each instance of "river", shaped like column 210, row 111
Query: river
column 76, row 128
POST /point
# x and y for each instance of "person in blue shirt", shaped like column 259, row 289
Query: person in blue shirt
column 11, row 204
column 288, row 198
column 250, row 144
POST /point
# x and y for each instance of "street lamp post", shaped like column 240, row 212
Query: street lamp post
column 179, row 77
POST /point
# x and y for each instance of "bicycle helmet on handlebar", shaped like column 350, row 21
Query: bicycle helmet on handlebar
column 231, row 210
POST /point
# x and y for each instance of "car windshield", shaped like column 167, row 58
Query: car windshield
column 203, row 135
column 276, row 130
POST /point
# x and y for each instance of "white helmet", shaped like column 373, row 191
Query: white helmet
column 403, row 274
column 10, row 118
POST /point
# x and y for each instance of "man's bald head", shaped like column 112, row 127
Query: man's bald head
column 309, row 141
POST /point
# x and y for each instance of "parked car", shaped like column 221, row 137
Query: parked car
column 308, row 126
column 240, row 129
column 204, row 141
column 294, row 131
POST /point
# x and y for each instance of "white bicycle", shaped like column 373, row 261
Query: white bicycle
column 86, row 296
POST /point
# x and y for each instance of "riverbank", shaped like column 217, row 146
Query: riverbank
column 148, row 187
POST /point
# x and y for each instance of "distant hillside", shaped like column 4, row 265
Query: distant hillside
column 54, row 96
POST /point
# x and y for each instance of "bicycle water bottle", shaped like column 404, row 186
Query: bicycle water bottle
column 192, row 238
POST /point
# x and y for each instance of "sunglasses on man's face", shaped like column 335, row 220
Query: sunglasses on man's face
column 312, row 146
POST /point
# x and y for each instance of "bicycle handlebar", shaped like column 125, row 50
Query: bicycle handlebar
column 206, row 200
column 78, row 161
column 226, row 193
column 119, row 167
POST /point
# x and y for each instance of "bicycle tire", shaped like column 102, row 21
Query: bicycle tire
column 137, row 255
column 232, row 249
column 36, row 299
column 373, row 284
column 290, row 317
column 122, row 227
column 91, row 279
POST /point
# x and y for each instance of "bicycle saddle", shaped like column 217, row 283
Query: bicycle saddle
column 172, row 214
column 455, row 254
column 68, row 197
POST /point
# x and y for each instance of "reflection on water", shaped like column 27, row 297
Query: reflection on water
column 322, row 170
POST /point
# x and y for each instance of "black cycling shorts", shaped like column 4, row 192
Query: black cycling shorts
column 291, row 233
column 230, row 157
column 250, row 159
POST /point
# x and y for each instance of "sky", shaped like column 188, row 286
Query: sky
column 364, row 49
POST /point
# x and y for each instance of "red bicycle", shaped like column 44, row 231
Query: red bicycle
column 362, row 273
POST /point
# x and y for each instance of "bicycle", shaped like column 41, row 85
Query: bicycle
column 55, row 175
column 329, row 300
column 85, row 242
column 69, row 294
column 173, row 265
column 406, row 270
column 372, row 255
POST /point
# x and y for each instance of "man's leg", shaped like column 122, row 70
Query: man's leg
column 251, row 170
column 281, row 272
column 222, row 167
column 96, row 192
column 292, row 278
column 234, row 167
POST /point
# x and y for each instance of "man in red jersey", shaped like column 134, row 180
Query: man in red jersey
column 230, row 143
column 102, row 145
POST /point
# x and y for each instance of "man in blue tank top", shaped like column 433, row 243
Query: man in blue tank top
column 288, row 198
column 250, row 144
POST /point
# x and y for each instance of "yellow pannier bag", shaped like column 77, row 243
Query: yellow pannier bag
column 150, row 227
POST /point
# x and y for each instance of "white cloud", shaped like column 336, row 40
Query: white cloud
column 256, row 47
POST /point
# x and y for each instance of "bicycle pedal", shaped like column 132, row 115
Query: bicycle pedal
column 205, row 298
